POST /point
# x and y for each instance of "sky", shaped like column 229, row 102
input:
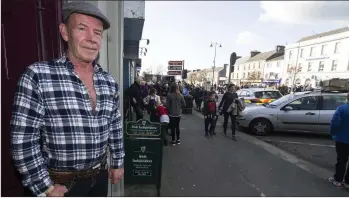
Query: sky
column 184, row 30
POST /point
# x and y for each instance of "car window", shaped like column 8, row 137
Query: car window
column 305, row 103
column 243, row 94
column 331, row 102
column 268, row 94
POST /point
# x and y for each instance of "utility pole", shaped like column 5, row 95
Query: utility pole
column 214, row 59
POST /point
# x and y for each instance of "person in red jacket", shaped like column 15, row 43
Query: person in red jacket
column 162, row 114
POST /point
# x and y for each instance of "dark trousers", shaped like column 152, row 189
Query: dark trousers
column 174, row 126
column 342, row 151
column 164, row 131
column 233, row 122
column 210, row 121
column 139, row 112
column 94, row 187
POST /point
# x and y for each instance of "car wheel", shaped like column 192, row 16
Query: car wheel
column 261, row 126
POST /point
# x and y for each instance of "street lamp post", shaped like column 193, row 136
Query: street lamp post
column 214, row 59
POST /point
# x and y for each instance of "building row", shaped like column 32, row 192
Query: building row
column 305, row 62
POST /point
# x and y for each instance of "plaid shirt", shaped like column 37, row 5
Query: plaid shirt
column 53, row 124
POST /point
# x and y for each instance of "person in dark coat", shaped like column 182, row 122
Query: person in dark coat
column 227, row 99
column 136, row 100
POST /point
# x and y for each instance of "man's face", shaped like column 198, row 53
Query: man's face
column 84, row 36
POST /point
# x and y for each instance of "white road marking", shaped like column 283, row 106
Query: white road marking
column 302, row 143
column 251, row 184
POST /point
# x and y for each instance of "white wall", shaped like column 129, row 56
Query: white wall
column 273, row 68
column 342, row 58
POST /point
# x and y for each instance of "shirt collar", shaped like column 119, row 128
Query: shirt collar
column 65, row 60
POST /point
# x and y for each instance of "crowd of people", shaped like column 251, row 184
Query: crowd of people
column 162, row 102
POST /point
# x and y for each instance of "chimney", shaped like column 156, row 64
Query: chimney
column 254, row 53
column 280, row 48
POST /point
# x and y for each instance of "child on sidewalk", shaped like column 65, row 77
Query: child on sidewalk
column 150, row 101
column 162, row 114
column 210, row 114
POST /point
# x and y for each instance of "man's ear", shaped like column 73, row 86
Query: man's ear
column 63, row 29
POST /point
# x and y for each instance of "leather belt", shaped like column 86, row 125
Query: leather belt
column 61, row 177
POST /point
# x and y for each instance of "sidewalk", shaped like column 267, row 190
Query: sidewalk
column 223, row 167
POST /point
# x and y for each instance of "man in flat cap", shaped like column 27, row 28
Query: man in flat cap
column 66, row 115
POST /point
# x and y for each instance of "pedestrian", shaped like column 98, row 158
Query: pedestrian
column 227, row 99
column 66, row 114
column 151, row 101
column 136, row 100
column 175, row 102
column 339, row 129
column 210, row 114
column 162, row 114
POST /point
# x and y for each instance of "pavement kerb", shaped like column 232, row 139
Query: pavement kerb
column 305, row 165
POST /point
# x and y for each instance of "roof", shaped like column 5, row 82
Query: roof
column 241, row 60
column 332, row 32
column 277, row 58
column 261, row 56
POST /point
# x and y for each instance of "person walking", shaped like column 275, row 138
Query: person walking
column 339, row 129
column 174, row 102
column 227, row 100
column 66, row 114
column 210, row 114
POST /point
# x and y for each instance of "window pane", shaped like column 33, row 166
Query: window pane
column 332, row 102
column 305, row 103
column 334, row 65
column 321, row 66
column 267, row 94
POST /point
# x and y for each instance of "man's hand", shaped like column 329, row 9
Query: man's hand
column 116, row 175
column 58, row 191
column 134, row 100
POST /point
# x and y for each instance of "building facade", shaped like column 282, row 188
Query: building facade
column 318, row 57
column 273, row 70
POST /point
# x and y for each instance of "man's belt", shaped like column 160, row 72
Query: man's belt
column 61, row 177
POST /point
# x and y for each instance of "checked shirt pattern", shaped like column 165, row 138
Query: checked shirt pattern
column 53, row 124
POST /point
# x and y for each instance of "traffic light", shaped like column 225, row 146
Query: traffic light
column 185, row 74
column 232, row 61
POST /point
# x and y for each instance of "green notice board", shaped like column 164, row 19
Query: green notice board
column 143, row 147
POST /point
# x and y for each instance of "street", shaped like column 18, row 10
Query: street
column 248, row 167
column 315, row 148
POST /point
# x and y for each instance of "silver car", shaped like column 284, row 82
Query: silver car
column 302, row 112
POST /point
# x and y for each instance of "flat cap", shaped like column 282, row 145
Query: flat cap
column 84, row 8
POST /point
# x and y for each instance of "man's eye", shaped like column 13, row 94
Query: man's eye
column 98, row 33
column 81, row 29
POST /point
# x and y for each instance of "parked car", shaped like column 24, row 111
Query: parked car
column 302, row 111
column 259, row 95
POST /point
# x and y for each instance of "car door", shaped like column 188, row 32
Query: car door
column 329, row 104
column 304, row 115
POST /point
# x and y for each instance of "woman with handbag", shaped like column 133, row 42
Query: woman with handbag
column 227, row 100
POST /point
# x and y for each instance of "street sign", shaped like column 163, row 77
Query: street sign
column 176, row 63
column 175, row 68
column 174, row 73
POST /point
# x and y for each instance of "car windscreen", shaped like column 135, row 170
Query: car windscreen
column 282, row 100
column 268, row 94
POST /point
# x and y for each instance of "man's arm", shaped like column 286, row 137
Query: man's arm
column 116, row 142
column 27, row 118
column 336, row 121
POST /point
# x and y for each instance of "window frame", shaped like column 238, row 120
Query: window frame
column 333, row 61
column 318, row 98
column 322, row 99
column 323, row 66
